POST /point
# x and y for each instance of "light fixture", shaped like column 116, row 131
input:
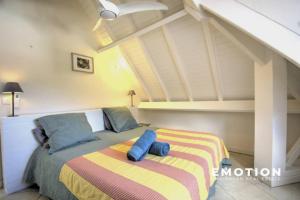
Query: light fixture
column 131, row 93
column 12, row 87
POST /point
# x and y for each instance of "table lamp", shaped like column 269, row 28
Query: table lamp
column 12, row 87
column 131, row 93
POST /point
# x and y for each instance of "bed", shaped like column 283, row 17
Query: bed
column 100, row 169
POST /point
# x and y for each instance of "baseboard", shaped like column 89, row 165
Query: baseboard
column 288, row 177
column 237, row 150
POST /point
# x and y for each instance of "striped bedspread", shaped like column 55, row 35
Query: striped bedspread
column 185, row 174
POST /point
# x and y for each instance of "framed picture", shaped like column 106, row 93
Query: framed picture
column 82, row 63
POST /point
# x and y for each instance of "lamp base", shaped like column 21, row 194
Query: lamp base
column 13, row 116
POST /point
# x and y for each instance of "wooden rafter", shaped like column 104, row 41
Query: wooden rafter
column 256, row 53
column 293, row 86
column 294, row 153
column 246, row 106
column 212, row 59
column 153, row 68
column 197, row 14
column 145, row 30
column 178, row 62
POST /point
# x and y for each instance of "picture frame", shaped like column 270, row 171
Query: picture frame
column 82, row 63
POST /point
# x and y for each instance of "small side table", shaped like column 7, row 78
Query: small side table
column 145, row 124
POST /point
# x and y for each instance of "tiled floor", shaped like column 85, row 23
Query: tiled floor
column 226, row 188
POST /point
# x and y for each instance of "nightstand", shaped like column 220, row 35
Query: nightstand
column 145, row 124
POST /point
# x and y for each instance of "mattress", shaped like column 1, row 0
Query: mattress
column 47, row 170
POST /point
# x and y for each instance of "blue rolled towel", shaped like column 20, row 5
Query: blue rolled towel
column 159, row 149
column 141, row 147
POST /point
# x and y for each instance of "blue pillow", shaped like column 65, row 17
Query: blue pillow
column 66, row 130
column 120, row 119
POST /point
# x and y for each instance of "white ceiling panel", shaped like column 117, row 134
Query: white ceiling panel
column 164, row 63
column 191, row 46
column 142, row 66
column 236, row 69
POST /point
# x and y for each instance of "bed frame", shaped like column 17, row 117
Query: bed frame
column 18, row 144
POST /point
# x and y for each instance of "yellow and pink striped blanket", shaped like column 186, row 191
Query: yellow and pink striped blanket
column 185, row 174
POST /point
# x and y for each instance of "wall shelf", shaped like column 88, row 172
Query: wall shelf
column 213, row 106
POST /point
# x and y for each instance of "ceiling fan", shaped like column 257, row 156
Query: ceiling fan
column 111, row 11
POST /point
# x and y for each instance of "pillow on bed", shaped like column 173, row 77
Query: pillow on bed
column 107, row 123
column 66, row 130
column 120, row 119
column 40, row 135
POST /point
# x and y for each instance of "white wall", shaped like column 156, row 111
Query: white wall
column 236, row 129
column 37, row 38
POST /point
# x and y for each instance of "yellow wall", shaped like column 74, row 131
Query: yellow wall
column 37, row 38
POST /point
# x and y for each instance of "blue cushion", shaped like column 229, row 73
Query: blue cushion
column 66, row 130
column 120, row 119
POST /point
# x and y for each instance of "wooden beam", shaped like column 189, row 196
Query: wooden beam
column 271, row 116
column 179, row 65
column 197, row 14
column 212, row 59
column 145, row 30
column 249, row 49
column 153, row 68
column 196, row 3
column 205, row 106
column 268, row 32
column 294, row 153
column 246, row 106
column 294, row 86
column 293, row 106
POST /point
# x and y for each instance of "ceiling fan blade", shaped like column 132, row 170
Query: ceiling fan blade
column 98, row 24
column 140, row 6
column 106, row 4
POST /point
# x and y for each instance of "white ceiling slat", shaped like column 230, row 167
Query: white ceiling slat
column 252, row 53
column 154, row 69
column 236, row 68
column 145, row 30
column 178, row 62
column 190, row 42
column 257, row 26
column 159, row 51
column 212, row 58
column 142, row 66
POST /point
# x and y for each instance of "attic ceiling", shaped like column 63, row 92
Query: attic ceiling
column 184, row 60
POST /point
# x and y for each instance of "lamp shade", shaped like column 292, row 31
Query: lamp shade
column 131, row 93
column 12, row 87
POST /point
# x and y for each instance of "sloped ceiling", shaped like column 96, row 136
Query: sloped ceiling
column 174, row 62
